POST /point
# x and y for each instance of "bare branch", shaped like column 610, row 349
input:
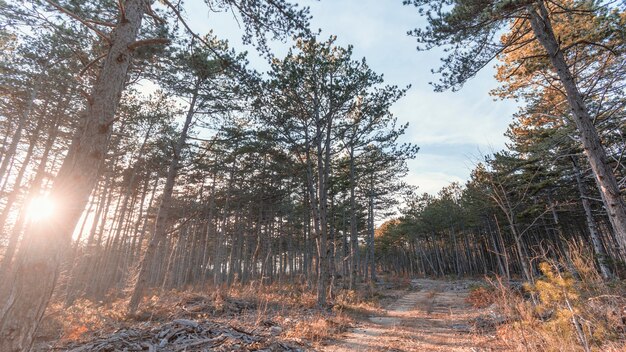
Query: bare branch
column 92, row 63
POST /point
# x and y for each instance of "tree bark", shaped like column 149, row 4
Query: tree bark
column 598, row 248
column 592, row 145
column 371, row 230
column 354, row 236
column 26, row 294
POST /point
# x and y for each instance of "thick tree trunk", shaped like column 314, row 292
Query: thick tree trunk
column 24, row 297
column 315, row 206
column 613, row 201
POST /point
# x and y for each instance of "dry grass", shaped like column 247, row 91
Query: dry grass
column 82, row 318
column 288, row 312
column 319, row 328
column 563, row 313
column 358, row 303
column 481, row 296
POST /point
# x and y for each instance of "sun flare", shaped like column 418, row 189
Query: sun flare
column 40, row 208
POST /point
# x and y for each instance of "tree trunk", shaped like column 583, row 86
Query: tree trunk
column 613, row 201
column 322, row 225
column 519, row 246
column 598, row 248
column 498, row 252
column 354, row 237
column 161, row 223
column 371, row 236
column 13, row 196
column 27, row 292
column 33, row 192
column 17, row 136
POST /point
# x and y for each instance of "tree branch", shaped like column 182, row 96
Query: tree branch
column 153, row 41
column 92, row 63
column 156, row 18
column 101, row 23
column 582, row 41
column 81, row 20
column 120, row 6
column 197, row 37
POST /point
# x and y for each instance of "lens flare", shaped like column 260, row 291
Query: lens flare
column 40, row 208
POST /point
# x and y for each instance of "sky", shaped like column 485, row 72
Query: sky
column 452, row 129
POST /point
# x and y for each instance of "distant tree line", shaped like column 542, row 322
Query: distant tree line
column 561, row 181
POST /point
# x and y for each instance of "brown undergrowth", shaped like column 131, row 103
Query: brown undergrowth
column 563, row 311
column 481, row 296
column 283, row 313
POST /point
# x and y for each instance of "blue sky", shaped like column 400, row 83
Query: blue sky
column 452, row 129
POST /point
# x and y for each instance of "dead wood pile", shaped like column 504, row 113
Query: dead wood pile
column 187, row 335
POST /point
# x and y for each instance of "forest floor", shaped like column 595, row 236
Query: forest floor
column 399, row 315
column 432, row 316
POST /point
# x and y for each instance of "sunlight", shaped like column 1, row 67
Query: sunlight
column 40, row 208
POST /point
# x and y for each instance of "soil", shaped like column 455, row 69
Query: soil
column 431, row 316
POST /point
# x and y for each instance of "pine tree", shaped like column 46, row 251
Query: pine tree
column 470, row 30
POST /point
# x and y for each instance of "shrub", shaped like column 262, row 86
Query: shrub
column 481, row 296
column 565, row 313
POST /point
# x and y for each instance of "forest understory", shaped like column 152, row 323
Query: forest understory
column 400, row 315
column 239, row 318
column 397, row 314
column 165, row 188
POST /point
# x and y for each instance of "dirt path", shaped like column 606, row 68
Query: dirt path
column 431, row 317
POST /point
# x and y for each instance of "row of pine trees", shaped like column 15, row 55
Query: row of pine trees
column 542, row 196
column 183, row 168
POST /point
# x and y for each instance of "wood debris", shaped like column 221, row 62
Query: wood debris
column 186, row 335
